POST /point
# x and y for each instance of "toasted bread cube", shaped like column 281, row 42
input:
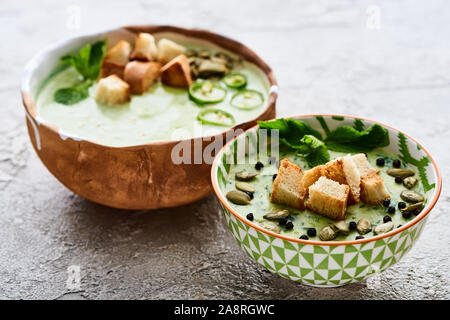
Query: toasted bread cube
column 364, row 167
column 328, row 198
column 141, row 75
column 177, row 73
column 287, row 187
column 119, row 53
column 310, row 177
column 167, row 50
column 110, row 68
column 373, row 190
column 144, row 48
column 112, row 90
column 344, row 171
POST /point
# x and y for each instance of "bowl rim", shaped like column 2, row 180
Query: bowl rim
column 411, row 223
column 203, row 34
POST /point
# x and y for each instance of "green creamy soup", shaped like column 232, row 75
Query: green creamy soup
column 302, row 220
column 162, row 113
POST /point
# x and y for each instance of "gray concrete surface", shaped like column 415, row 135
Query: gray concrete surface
column 329, row 56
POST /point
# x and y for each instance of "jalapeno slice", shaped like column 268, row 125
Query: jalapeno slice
column 206, row 92
column 216, row 117
column 235, row 80
column 247, row 99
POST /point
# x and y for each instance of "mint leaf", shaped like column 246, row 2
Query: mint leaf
column 290, row 130
column 358, row 125
column 348, row 139
column 98, row 51
column 315, row 150
column 73, row 94
column 88, row 60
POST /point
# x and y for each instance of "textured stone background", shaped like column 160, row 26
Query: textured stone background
column 328, row 56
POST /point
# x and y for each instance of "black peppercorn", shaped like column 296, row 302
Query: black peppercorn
column 391, row 209
column 289, row 225
column 380, row 162
column 398, row 179
column 386, row 219
column 386, row 202
column 406, row 214
column 396, row 163
column 311, row 232
column 283, row 221
column 250, row 216
column 359, row 237
column 259, row 165
column 250, row 194
column 401, row 205
column 304, row 237
column 352, row 225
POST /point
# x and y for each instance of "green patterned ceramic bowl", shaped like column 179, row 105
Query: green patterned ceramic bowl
column 332, row 263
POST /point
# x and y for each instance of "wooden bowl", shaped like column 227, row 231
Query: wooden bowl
column 131, row 177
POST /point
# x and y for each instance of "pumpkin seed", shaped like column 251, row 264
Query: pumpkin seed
column 244, row 186
column 363, row 226
column 411, row 196
column 413, row 207
column 209, row 68
column 384, row 227
column 245, row 176
column 276, row 215
column 204, row 54
column 269, row 225
column 409, row 182
column 191, row 53
column 402, row 173
column 341, row 226
column 238, row 197
column 327, row 234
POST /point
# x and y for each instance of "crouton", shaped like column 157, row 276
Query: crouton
column 119, row 53
column 110, row 68
column 373, row 190
column 344, row 171
column 112, row 90
column 364, row 167
column 328, row 198
column 167, row 50
column 141, row 75
column 311, row 176
column 177, row 73
column 287, row 188
column 144, row 48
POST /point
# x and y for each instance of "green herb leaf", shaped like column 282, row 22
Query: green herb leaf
column 300, row 137
column 290, row 131
column 348, row 139
column 358, row 125
column 315, row 150
column 88, row 60
column 73, row 94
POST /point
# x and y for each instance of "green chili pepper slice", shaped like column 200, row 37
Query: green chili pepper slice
column 235, row 80
column 206, row 92
column 247, row 99
column 216, row 117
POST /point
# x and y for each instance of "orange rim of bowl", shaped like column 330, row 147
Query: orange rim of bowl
column 328, row 243
column 29, row 103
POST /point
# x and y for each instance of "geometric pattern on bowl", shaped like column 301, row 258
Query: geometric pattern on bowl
column 317, row 265
column 332, row 263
